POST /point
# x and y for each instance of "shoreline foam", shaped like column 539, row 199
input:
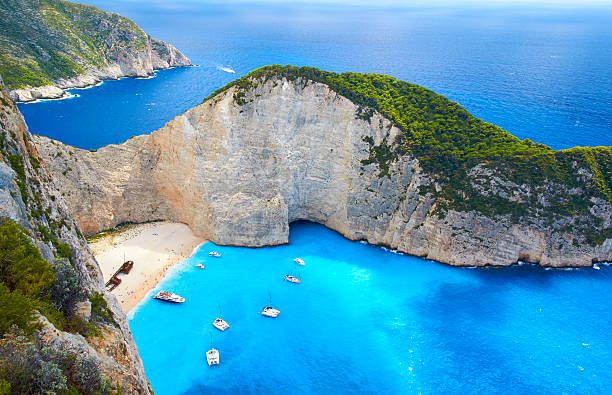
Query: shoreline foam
column 154, row 248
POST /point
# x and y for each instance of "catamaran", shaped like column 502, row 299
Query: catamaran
column 169, row 297
column 212, row 355
column 299, row 261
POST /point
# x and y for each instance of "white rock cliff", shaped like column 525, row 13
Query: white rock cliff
column 238, row 174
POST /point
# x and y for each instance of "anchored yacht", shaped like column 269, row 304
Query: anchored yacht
column 215, row 254
column 292, row 279
column 270, row 312
column 200, row 266
column 220, row 324
column 299, row 261
column 212, row 357
column 169, row 297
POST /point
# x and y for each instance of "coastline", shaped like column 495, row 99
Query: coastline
column 154, row 247
column 91, row 79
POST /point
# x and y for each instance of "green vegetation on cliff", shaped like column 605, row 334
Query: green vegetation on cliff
column 42, row 41
column 457, row 149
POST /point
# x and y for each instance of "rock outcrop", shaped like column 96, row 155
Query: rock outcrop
column 241, row 166
column 29, row 197
column 49, row 46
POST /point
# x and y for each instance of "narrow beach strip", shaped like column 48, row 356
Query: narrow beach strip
column 153, row 247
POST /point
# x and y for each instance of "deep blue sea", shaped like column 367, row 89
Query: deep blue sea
column 366, row 320
column 542, row 73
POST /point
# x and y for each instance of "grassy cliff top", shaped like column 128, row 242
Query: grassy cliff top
column 452, row 144
column 45, row 40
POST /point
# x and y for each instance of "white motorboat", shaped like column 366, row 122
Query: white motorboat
column 270, row 312
column 200, row 266
column 596, row 267
column 220, row 324
column 212, row 357
column 169, row 297
column 299, row 261
column 215, row 254
column 292, row 279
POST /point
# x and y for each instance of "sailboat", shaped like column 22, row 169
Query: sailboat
column 269, row 311
column 219, row 323
column 212, row 355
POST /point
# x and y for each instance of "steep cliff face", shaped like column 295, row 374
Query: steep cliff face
column 52, row 45
column 29, row 197
column 244, row 164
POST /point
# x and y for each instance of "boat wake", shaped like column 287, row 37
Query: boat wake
column 226, row 69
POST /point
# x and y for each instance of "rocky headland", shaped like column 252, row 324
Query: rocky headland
column 91, row 332
column 53, row 45
column 371, row 157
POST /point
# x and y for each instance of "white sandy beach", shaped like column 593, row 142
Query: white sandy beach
column 154, row 247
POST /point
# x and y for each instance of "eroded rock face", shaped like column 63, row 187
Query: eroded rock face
column 37, row 204
column 238, row 174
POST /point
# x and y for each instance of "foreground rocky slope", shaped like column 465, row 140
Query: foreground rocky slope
column 29, row 197
column 274, row 148
column 47, row 46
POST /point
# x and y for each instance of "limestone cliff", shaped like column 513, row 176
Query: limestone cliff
column 29, row 197
column 52, row 45
column 241, row 166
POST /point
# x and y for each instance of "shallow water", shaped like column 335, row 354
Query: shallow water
column 539, row 72
column 371, row 321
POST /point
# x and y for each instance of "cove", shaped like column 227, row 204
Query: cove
column 367, row 320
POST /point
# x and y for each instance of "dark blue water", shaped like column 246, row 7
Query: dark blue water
column 365, row 320
column 540, row 73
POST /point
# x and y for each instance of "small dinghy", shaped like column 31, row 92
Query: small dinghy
column 299, row 261
column 212, row 357
column 215, row 254
column 200, row 266
column 292, row 279
column 270, row 312
column 169, row 297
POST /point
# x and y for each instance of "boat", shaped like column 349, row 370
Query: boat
column 596, row 267
column 299, row 261
column 219, row 323
column 270, row 312
column 199, row 265
column 169, row 297
column 212, row 357
column 292, row 279
column 215, row 254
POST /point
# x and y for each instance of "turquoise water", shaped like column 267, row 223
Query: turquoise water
column 366, row 320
